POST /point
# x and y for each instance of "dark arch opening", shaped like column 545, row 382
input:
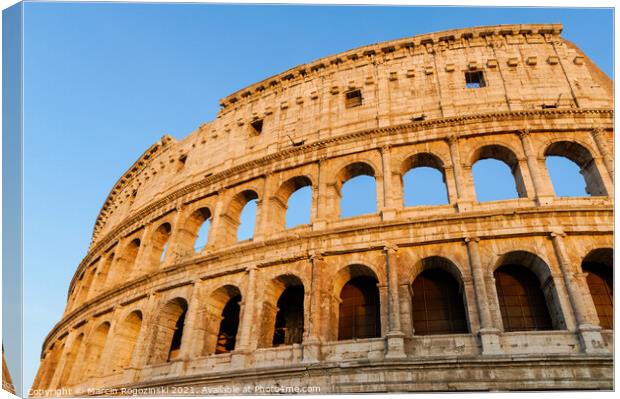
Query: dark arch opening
column 600, row 278
column 359, row 315
column 177, row 337
column 521, row 299
column 438, row 306
column 289, row 326
column 229, row 325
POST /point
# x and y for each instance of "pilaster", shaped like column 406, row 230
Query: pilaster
column 589, row 332
column 489, row 334
column 395, row 344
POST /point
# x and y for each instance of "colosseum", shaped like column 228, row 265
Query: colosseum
column 469, row 295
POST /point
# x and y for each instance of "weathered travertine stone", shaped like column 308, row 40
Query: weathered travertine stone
column 310, row 126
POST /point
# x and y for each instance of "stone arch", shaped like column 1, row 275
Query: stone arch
column 438, row 298
column 158, row 242
column 359, row 284
column 506, row 155
column 168, row 331
column 188, row 233
column 282, row 320
column 125, row 262
column 67, row 377
column 524, row 283
column 104, row 271
column 125, row 339
column 581, row 156
column 222, row 319
column 49, row 364
column 87, row 282
column 281, row 198
column 598, row 266
column 349, row 172
column 422, row 160
column 233, row 214
column 94, row 349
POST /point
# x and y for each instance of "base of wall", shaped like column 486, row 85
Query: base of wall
column 497, row 373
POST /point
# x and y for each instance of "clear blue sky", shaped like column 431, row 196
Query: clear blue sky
column 105, row 81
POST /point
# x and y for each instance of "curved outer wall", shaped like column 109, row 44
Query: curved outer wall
column 540, row 93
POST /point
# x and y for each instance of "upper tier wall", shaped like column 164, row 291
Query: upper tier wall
column 523, row 67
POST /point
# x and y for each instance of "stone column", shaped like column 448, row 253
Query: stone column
column 450, row 184
column 388, row 211
column 243, row 348
column 218, row 233
column 262, row 227
column 489, row 334
column 599, row 136
column 395, row 337
column 172, row 255
column 589, row 332
column 139, row 359
column 312, row 341
column 464, row 200
column 190, row 332
column 322, row 209
column 542, row 193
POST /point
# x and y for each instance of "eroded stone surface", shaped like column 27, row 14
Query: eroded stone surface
column 308, row 126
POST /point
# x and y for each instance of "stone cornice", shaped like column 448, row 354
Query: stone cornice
column 370, row 51
column 142, row 162
column 169, row 201
column 232, row 252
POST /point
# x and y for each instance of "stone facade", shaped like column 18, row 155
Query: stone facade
column 378, row 110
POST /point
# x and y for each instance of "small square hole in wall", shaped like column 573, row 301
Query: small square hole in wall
column 181, row 164
column 257, row 126
column 353, row 98
column 474, row 80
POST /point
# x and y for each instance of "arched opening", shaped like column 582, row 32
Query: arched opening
column 68, row 374
column 296, row 193
column 289, row 323
column 282, row 312
column 359, row 315
column 424, row 181
column 104, row 271
column 221, row 320
column 125, row 263
column 576, row 159
column 241, row 216
column 169, row 331
column 357, row 188
column 196, row 229
column 496, row 174
column 159, row 242
column 437, row 303
column 229, row 326
column 521, row 299
column 125, row 339
column 51, row 363
column 94, row 349
column 292, row 203
column 598, row 265
column 87, row 284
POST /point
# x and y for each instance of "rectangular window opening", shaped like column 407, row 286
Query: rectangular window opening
column 353, row 98
column 474, row 80
column 257, row 126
